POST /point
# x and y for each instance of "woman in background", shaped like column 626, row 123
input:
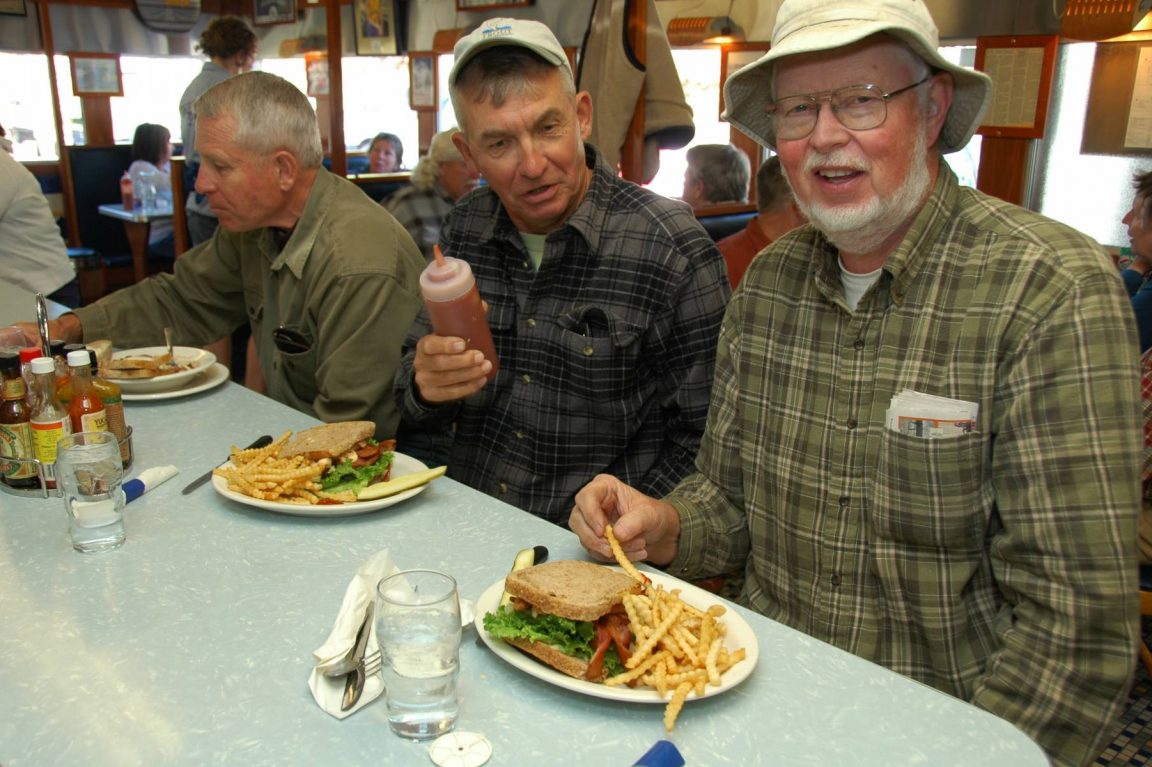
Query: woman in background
column 1138, row 276
column 385, row 154
column 151, row 155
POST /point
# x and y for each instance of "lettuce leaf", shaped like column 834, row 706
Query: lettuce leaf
column 343, row 477
column 575, row 638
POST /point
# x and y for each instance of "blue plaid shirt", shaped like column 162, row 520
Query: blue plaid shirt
column 606, row 353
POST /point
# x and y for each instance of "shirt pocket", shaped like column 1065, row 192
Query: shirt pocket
column 930, row 492
column 298, row 361
column 600, row 361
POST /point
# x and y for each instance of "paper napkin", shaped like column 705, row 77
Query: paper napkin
column 329, row 691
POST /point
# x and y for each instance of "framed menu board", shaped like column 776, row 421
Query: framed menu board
column 1118, row 119
column 1021, row 68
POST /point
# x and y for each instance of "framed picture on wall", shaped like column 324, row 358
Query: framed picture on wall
column 316, row 67
column 274, row 11
column 736, row 56
column 375, row 27
column 13, row 8
column 96, row 74
column 422, row 69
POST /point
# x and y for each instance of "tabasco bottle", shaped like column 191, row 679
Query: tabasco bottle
column 50, row 421
column 113, row 402
column 15, row 429
column 86, row 410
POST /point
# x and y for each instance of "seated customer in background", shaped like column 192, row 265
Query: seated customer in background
column 438, row 181
column 994, row 557
column 32, row 252
column 151, row 153
column 717, row 174
column 1138, row 276
column 326, row 278
column 385, row 154
column 777, row 215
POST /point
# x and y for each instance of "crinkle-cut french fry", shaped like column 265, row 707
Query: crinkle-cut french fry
column 676, row 704
column 635, row 673
column 651, row 641
column 621, row 558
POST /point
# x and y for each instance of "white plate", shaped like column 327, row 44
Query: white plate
column 739, row 635
column 196, row 360
column 207, row 379
column 401, row 465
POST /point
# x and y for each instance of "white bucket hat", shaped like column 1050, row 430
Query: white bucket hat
column 805, row 26
column 496, row 32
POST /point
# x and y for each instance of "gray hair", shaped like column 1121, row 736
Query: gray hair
column 499, row 73
column 427, row 171
column 270, row 114
column 723, row 169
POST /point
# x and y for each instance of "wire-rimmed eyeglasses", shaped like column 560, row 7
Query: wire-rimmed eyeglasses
column 857, row 107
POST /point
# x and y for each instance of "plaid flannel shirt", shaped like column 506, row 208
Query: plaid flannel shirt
column 606, row 353
column 998, row 566
column 421, row 211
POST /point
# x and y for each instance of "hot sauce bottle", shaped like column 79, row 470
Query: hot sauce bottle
column 15, row 429
column 109, row 393
column 85, row 410
column 454, row 305
column 50, row 421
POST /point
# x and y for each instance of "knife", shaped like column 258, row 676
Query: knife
column 262, row 442
column 354, row 684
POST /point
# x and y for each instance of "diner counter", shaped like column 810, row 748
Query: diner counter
column 191, row 644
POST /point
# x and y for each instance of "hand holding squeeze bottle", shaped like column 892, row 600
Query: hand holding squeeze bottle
column 454, row 305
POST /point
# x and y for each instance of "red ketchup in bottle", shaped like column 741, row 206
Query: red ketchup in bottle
column 454, row 305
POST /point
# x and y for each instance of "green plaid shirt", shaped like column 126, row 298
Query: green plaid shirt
column 998, row 566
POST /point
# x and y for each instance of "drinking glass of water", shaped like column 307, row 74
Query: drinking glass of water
column 88, row 471
column 418, row 629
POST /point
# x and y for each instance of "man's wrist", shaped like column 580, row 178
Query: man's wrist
column 70, row 328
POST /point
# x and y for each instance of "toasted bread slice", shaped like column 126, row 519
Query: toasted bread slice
column 103, row 349
column 570, row 588
column 141, row 361
column 328, row 440
column 550, row 656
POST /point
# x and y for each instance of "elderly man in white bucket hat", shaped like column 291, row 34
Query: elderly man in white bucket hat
column 921, row 442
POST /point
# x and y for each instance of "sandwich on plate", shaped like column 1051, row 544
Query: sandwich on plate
column 357, row 459
column 568, row 614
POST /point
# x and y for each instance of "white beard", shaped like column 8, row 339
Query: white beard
column 860, row 229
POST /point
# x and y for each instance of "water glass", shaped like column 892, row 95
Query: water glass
column 418, row 629
column 88, row 473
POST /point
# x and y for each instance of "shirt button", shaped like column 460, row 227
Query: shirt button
column 526, row 266
column 588, row 351
column 835, row 579
column 526, row 378
column 843, row 501
column 503, row 488
column 859, row 344
column 531, row 322
column 851, row 423
column 519, row 435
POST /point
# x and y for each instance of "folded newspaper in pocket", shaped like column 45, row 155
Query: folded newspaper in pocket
column 930, row 417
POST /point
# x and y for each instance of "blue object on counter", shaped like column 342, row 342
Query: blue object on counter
column 663, row 754
column 148, row 479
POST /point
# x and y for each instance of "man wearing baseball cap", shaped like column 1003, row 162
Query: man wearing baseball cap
column 604, row 299
column 920, row 443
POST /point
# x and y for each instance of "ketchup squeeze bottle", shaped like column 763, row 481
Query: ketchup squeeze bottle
column 454, row 305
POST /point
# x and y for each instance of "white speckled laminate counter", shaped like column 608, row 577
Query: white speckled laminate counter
column 191, row 645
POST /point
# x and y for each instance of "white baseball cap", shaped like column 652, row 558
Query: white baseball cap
column 805, row 26
column 496, row 32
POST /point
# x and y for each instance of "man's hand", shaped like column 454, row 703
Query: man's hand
column 446, row 371
column 67, row 328
column 647, row 529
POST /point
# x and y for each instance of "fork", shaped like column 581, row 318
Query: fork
column 369, row 665
column 373, row 663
